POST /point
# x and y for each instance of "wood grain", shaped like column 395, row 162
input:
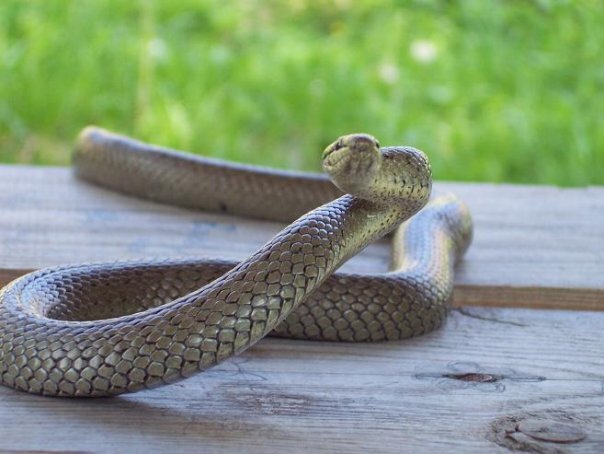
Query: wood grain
column 534, row 246
column 492, row 380
column 458, row 389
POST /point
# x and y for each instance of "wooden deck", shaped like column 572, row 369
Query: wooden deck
column 501, row 375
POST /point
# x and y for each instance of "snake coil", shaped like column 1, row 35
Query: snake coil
column 106, row 329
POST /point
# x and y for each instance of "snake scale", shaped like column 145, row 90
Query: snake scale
column 106, row 329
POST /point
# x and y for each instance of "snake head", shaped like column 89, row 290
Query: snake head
column 351, row 143
column 352, row 161
column 358, row 166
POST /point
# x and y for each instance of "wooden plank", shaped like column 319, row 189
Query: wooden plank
column 464, row 388
column 534, row 246
column 491, row 380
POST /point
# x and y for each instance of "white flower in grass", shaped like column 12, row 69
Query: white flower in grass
column 157, row 49
column 423, row 51
column 389, row 73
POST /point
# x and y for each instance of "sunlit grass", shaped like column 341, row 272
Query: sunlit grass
column 493, row 91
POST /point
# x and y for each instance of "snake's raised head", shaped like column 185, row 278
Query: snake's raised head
column 353, row 161
column 357, row 165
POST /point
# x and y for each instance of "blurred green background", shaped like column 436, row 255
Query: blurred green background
column 491, row 90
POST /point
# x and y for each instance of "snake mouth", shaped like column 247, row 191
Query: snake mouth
column 351, row 151
column 334, row 157
column 358, row 147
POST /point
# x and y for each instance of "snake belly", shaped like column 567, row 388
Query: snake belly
column 106, row 329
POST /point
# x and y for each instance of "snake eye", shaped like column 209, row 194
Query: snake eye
column 378, row 144
column 333, row 147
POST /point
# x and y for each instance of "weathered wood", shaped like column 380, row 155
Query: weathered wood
column 458, row 389
column 492, row 379
column 534, row 246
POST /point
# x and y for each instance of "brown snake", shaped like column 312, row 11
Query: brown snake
column 105, row 329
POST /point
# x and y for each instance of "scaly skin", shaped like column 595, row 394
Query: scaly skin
column 98, row 330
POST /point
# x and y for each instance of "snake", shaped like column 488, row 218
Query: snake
column 102, row 329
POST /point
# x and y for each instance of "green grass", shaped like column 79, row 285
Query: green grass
column 491, row 90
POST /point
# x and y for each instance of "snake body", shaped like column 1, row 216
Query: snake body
column 106, row 329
